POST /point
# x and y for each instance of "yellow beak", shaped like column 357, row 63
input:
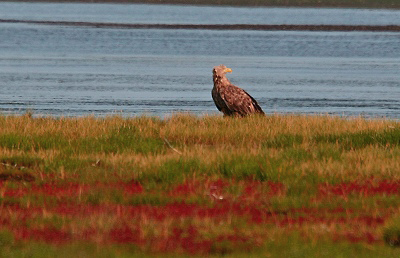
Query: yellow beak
column 228, row 70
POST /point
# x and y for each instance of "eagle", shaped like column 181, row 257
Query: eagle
column 230, row 99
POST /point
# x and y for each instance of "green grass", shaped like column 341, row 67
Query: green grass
column 302, row 186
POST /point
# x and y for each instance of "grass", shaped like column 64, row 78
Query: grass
column 187, row 185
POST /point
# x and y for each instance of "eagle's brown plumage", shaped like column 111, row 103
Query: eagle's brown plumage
column 230, row 99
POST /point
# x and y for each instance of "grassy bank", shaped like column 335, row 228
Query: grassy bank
column 304, row 186
column 280, row 3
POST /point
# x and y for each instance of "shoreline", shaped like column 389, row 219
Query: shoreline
column 264, row 27
column 362, row 4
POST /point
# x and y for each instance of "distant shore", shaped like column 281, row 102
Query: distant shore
column 392, row 4
column 292, row 27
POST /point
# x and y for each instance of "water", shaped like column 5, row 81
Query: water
column 141, row 13
column 75, row 71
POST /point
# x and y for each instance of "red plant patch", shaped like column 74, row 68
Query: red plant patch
column 276, row 188
column 48, row 189
column 74, row 209
column 133, row 187
column 124, row 235
column 188, row 188
column 355, row 237
column 48, row 235
column 59, row 190
column 216, row 189
column 70, row 189
column 368, row 188
column 188, row 240
column 175, row 224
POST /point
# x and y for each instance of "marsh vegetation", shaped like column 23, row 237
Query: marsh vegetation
column 287, row 184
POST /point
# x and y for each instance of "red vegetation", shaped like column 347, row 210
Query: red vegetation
column 247, row 202
column 48, row 189
column 49, row 235
column 186, row 189
column 133, row 187
column 124, row 234
column 70, row 189
column 354, row 237
column 367, row 188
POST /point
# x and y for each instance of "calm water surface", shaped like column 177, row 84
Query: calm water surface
column 142, row 13
column 75, row 71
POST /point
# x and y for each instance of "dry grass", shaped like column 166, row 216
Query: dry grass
column 339, row 146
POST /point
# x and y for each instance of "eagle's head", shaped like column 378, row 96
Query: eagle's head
column 221, row 70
